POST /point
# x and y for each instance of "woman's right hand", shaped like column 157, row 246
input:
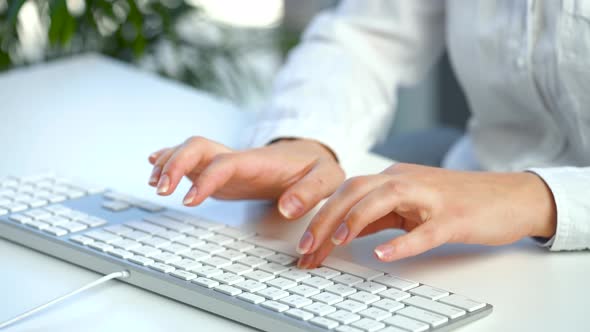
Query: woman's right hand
column 298, row 173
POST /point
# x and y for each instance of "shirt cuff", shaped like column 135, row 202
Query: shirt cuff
column 573, row 230
column 265, row 132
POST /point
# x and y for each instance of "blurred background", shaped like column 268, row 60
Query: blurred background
column 228, row 47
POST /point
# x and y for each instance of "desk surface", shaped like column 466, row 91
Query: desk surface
column 96, row 120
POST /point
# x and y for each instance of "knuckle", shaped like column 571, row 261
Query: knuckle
column 396, row 187
column 195, row 140
column 355, row 183
column 355, row 216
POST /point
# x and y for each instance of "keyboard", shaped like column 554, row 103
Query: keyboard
column 228, row 271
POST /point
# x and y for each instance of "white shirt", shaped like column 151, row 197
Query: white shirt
column 524, row 66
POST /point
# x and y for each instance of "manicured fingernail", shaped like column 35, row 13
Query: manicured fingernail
column 291, row 207
column 155, row 175
column 305, row 243
column 304, row 261
column 384, row 251
column 190, row 196
column 340, row 234
column 163, row 184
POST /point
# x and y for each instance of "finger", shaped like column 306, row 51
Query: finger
column 154, row 156
column 330, row 215
column 320, row 182
column 157, row 170
column 215, row 176
column 186, row 158
column 422, row 238
column 320, row 254
column 391, row 196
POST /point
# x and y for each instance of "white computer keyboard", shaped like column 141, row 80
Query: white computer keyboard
column 221, row 269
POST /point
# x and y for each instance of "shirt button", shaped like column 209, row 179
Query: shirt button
column 520, row 62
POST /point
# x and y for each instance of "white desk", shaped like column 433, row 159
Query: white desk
column 93, row 119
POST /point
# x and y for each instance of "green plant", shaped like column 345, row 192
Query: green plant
column 137, row 31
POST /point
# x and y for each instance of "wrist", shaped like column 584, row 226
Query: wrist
column 545, row 209
column 314, row 145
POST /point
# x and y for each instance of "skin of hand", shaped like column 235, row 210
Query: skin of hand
column 434, row 206
column 299, row 173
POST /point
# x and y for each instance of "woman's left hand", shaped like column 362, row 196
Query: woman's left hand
column 435, row 206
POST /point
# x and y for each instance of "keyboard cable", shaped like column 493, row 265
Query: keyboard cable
column 114, row 275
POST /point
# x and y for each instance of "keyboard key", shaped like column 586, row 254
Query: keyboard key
column 171, row 235
column 344, row 317
column 282, row 283
column 137, row 235
column 368, row 325
column 20, row 218
column 144, row 261
column 210, row 248
column 304, row 290
column 205, row 282
column 324, row 322
column 429, row 292
column 175, row 248
column 168, row 223
column 146, row 251
column 190, row 242
column 351, row 305
column 55, row 231
column 231, row 255
column 120, row 253
column 148, row 206
column 238, row 234
column 216, row 262
column 327, row 298
column 253, row 261
column 37, row 224
column 317, row 282
column 395, row 282
column 196, row 255
column 187, row 276
column 252, row 298
column 240, row 246
column 351, row 268
column 281, row 259
column 199, row 233
column 14, row 206
column 37, row 213
column 74, row 227
column 407, row 323
column 260, row 252
column 462, row 302
column 220, row 239
column 296, row 301
column 394, row 294
column 319, row 309
column 193, row 220
column 3, row 212
column 388, row 305
column 156, row 242
column 370, row 287
column 273, row 268
column 92, row 221
column 340, row 290
column 185, row 264
column 324, row 272
column 250, row 286
column 299, row 314
column 126, row 244
column 259, row 276
column 166, row 258
column 364, row 297
column 55, row 220
column 295, row 274
column 165, row 268
column 101, row 246
column 375, row 313
column 228, row 278
column 145, row 227
column 228, row 290
column 238, row 269
column 80, row 239
column 275, row 306
column 423, row 316
column 346, row 328
column 206, row 271
column 439, row 308
column 273, row 293
column 115, row 206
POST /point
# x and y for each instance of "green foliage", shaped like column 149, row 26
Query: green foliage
column 133, row 31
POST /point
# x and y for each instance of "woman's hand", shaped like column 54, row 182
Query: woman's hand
column 435, row 206
column 299, row 173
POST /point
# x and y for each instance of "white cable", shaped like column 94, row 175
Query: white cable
column 115, row 275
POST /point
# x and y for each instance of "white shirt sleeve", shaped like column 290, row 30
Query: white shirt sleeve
column 338, row 86
column 569, row 186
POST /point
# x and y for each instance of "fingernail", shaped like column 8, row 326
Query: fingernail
column 340, row 234
column 384, row 251
column 155, row 175
column 305, row 243
column 153, row 156
column 190, row 196
column 163, row 184
column 304, row 261
column 291, row 207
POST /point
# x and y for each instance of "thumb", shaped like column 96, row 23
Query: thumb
column 320, row 182
column 422, row 238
